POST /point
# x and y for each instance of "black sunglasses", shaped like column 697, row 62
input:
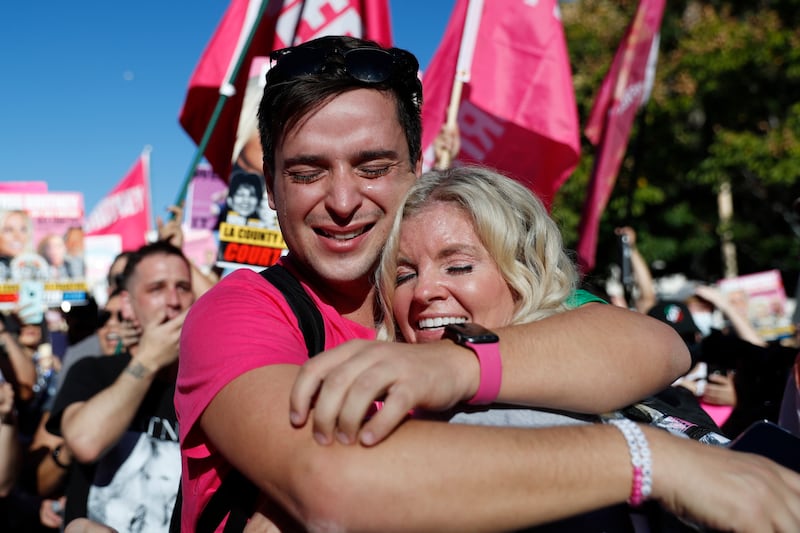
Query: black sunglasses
column 367, row 65
column 104, row 316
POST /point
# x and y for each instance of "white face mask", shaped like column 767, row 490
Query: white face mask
column 703, row 320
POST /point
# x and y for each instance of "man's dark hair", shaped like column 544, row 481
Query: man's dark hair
column 115, row 281
column 153, row 248
column 287, row 99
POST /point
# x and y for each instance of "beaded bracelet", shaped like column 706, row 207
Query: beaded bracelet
column 641, row 460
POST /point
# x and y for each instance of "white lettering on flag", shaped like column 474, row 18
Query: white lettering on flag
column 323, row 17
column 314, row 15
column 632, row 96
column 123, row 204
column 479, row 131
column 348, row 23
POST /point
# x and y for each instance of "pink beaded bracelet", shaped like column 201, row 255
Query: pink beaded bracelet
column 641, row 460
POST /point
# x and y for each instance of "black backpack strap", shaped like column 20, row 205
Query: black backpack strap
column 304, row 308
column 237, row 494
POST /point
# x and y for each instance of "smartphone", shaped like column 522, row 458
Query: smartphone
column 772, row 441
column 31, row 302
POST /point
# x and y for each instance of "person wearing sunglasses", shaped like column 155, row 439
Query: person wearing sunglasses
column 340, row 129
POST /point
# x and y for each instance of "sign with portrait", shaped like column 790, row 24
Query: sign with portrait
column 249, row 235
column 41, row 241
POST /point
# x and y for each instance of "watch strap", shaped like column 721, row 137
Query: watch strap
column 491, row 368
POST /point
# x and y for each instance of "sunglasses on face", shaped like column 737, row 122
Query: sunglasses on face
column 104, row 316
column 367, row 65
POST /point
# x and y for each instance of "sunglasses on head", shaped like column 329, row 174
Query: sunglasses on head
column 366, row 64
column 104, row 316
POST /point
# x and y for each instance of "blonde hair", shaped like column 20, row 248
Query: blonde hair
column 511, row 223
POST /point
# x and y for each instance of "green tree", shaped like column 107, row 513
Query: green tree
column 725, row 108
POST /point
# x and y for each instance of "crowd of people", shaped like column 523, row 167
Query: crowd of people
column 467, row 381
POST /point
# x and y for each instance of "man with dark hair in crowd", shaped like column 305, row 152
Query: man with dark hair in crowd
column 116, row 414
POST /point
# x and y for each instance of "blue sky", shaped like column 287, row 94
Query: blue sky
column 87, row 85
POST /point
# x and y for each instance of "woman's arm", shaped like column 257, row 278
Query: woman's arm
column 24, row 367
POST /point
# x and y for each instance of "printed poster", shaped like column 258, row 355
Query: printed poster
column 761, row 296
column 42, row 247
column 249, row 235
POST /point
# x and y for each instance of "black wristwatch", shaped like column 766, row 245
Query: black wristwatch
column 486, row 345
column 469, row 332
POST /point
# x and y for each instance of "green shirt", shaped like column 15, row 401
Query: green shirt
column 582, row 297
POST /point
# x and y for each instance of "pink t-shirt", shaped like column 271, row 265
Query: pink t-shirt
column 241, row 324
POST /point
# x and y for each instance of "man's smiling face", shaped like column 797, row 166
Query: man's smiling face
column 340, row 176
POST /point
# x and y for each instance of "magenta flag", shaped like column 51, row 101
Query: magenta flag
column 282, row 24
column 125, row 211
column 23, row 186
column 622, row 93
column 517, row 113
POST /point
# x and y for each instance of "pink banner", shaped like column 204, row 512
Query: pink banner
column 517, row 113
column 620, row 97
column 23, row 186
column 310, row 18
column 125, row 211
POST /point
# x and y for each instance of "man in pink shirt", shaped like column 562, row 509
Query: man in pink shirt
column 340, row 128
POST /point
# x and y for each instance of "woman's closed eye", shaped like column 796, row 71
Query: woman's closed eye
column 459, row 269
column 403, row 275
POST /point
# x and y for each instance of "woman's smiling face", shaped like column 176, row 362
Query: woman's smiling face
column 445, row 275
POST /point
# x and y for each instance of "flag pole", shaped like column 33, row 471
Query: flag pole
column 148, row 190
column 225, row 91
column 463, row 68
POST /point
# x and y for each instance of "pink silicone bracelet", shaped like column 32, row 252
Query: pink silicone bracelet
column 491, row 372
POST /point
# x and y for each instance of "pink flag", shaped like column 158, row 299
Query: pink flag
column 126, row 209
column 623, row 91
column 23, row 186
column 282, row 24
column 517, row 113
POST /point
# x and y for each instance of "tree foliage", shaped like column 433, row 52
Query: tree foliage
column 725, row 108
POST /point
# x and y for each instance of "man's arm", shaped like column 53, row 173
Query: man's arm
column 10, row 452
column 93, row 426
column 24, row 367
column 592, row 359
column 49, row 474
column 431, row 476
column 641, row 272
column 741, row 324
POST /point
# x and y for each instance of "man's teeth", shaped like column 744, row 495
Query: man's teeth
column 440, row 321
column 344, row 236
